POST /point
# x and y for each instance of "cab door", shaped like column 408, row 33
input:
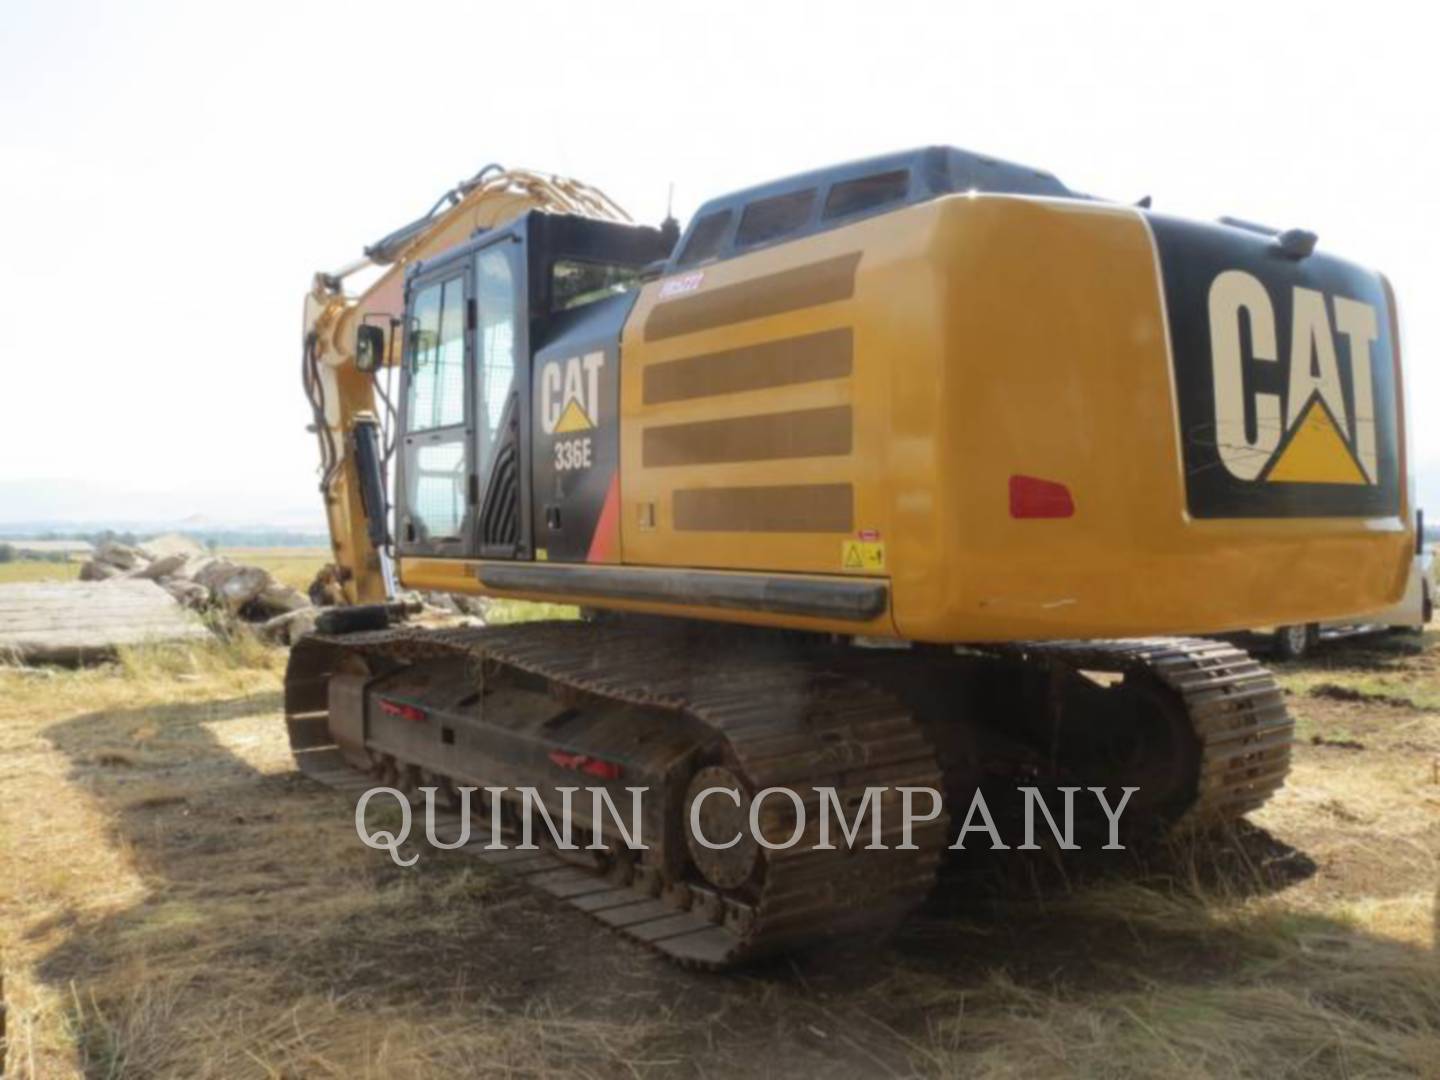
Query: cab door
column 458, row 490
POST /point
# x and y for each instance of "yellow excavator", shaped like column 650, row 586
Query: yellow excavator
column 883, row 475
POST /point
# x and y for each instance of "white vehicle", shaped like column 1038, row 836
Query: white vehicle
column 1411, row 612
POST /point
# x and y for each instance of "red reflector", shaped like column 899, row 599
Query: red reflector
column 404, row 712
column 605, row 770
column 1031, row 497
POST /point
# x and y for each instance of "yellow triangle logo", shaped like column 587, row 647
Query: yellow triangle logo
column 573, row 419
column 1316, row 452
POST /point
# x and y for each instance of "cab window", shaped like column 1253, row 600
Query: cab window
column 494, row 344
column 770, row 219
column 574, row 282
column 433, row 501
column 866, row 193
column 437, row 359
column 706, row 236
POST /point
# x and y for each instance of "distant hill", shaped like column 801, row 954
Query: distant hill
column 210, row 535
column 30, row 507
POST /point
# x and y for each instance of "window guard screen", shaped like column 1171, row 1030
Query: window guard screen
column 436, row 397
column 495, row 345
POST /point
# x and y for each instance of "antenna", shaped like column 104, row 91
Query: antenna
column 670, row 228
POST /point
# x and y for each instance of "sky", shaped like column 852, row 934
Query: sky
column 171, row 175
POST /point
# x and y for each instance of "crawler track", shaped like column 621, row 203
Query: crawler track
column 788, row 718
column 1234, row 707
column 784, row 721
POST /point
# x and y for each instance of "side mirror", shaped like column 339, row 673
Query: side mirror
column 369, row 347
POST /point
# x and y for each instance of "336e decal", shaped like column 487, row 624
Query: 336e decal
column 573, row 454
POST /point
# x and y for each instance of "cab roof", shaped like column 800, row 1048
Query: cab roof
column 828, row 198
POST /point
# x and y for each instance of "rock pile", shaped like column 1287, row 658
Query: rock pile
column 235, row 594
column 209, row 584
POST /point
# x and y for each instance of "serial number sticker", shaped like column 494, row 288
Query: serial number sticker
column 862, row 555
column 679, row 286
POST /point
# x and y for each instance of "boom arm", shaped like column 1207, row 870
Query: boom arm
column 341, row 394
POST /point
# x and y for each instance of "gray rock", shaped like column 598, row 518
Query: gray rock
column 99, row 571
column 188, row 570
column 163, row 567
column 188, row 593
column 122, row 556
column 277, row 599
column 241, row 587
column 171, row 544
column 475, row 606
column 212, row 573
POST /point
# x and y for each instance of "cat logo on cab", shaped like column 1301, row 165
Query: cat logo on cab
column 570, row 407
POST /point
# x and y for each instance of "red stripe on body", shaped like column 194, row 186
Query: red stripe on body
column 605, row 544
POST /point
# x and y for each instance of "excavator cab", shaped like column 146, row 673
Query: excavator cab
column 517, row 327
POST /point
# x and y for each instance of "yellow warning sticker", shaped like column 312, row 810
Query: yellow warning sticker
column 865, row 556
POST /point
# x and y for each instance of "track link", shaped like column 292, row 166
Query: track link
column 784, row 719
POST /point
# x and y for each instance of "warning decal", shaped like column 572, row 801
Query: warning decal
column 863, row 556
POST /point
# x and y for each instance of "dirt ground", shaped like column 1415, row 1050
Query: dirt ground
column 176, row 901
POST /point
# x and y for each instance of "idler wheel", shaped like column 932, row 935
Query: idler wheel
column 720, row 820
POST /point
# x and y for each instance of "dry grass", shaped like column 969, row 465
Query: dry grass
column 1230, row 979
column 188, row 907
column 176, row 902
column 1400, row 668
column 27, row 570
column 501, row 612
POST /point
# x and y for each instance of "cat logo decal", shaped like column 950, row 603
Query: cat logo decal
column 1316, row 432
